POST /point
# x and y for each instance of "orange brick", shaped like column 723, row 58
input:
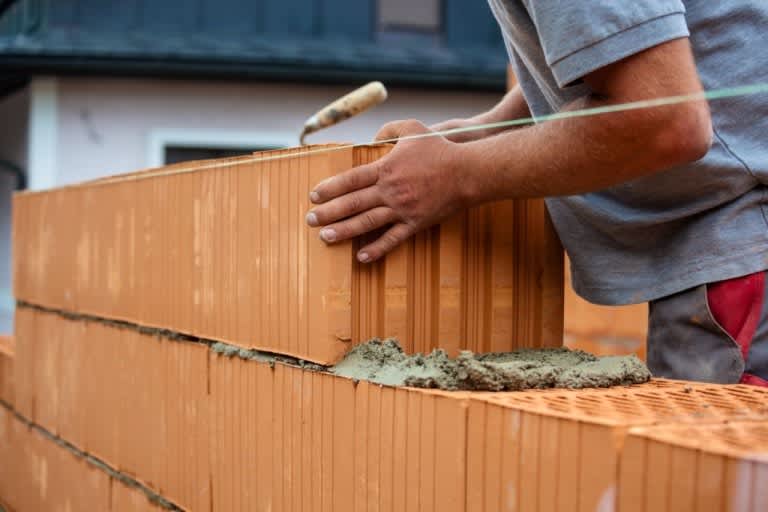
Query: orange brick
column 7, row 345
column 132, row 400
column 696, row 467
column 450, row 433
column 208, row 430
column 223, row 253
column 567, row 444
column 38, row 474
column 128, row 499
column 25, row 367
column 7, row 351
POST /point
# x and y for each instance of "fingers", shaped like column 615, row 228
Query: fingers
column 344, row 206
column 397, row 129
column 389, row 131
column 447, row 125
column 358, row 225
column 391, row 238
column 345, row 182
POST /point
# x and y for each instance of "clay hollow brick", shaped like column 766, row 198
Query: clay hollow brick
column 685, row 468
column 7, row 345
column 201, row 428
column 561, row 449
column 220, row 250
column 38, row 474
column 204, row 429
column 7, row 351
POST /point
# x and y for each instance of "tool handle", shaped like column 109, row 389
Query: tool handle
column 345, row 107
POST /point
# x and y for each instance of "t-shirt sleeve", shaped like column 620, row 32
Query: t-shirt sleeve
column 580, row 36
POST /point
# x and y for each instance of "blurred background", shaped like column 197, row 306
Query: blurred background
column 90, row 88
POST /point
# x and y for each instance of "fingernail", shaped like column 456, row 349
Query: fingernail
column 311, row 219
column 363, row 257
column 328, row 235
column 314, row 196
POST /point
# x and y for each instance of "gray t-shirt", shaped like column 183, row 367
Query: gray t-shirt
column 681, row 227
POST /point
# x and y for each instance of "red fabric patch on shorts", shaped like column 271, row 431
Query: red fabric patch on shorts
column 736, row 304
column 753, row 380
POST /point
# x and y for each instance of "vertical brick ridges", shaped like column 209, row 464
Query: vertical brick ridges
column 585, row 432
column 692, row 467
column 488, row 279
column 39, row 474
column 201, row 428
column 7, row 351
column 205, row 429
column 222, row 252
column 475, row 283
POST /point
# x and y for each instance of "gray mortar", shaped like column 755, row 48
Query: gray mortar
column 250, row 354
column 220, row 348
column 384, row 362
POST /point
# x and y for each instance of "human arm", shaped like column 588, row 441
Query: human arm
column 421, row 181
column 584, row 154
column 511, row 106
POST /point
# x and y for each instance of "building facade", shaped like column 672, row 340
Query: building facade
column 91, row 88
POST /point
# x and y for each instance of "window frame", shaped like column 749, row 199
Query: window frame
column 160, row 139
column 394, row 30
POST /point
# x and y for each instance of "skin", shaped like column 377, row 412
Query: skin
column 422, row 181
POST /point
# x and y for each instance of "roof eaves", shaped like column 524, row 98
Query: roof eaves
column 315, row 61
column 270, row 71
column 5, row 5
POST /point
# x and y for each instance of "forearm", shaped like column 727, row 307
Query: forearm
column 512, row 106
column 578, row 155
column 425, row 179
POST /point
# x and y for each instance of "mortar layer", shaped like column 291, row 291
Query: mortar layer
column 384, row 362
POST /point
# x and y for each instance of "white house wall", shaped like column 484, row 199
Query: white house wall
column 108, row 126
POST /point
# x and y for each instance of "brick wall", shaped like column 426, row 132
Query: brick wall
column 116, row 392
column 209, row 431
column 223, row 253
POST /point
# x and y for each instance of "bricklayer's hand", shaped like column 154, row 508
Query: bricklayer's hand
column 413, row 187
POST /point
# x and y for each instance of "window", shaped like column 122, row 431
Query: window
column 175, row 154
column 179, row 145
column 409, row 21
column 407, row 15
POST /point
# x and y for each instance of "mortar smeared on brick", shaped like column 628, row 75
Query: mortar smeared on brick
column 384, row 362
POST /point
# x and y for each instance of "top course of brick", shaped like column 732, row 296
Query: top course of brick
column 220, row 250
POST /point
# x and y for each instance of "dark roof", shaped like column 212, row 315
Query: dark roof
column 308, row 40
column 5, row 4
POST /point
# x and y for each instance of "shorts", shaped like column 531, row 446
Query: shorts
column 717, row 332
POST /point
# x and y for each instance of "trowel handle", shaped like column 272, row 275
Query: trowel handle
column 345, row 107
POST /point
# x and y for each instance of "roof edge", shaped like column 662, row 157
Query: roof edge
column 5, row 5
column 153, row 68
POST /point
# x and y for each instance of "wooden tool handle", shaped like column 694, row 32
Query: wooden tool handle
column 345, row 107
